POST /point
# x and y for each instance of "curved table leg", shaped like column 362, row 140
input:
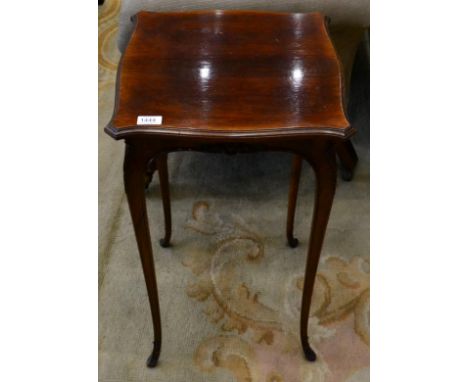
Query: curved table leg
column 348, row 159
column 151, row 168
column 292, row 199
column 164, row 184
column 323, row 162
column 159, row 164
column 134, row 178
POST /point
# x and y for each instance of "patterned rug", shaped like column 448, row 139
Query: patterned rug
column 229, row 286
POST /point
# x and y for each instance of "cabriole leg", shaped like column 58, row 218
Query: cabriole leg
column 135, row 165
column 324, row 164
column 292, row 200
column 164, row 184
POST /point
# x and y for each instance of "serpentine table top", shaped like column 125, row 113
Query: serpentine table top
column 230, row 74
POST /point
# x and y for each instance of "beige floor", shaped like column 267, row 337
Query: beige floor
column 229, row 287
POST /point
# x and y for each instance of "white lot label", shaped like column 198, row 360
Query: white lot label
column 149, row 120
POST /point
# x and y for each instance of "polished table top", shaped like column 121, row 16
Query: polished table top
column 230, row 73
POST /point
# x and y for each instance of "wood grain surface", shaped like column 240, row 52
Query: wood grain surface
column 232, row 74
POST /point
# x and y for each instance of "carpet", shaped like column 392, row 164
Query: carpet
column 230, row 287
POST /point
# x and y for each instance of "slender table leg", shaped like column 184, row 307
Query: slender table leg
column 164, row 184
column 292, row 199
column 348, row 159
column 159, row 164
column 134, row 177
column 151, row 168
column 324, row 164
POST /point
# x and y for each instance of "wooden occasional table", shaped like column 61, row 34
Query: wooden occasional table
column 231, row 81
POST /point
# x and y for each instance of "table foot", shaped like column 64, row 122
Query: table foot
column 293, row 242
column 166, row 199
column 347, row 175
column 148, row 179
column 308, row 352
column 348, row 159
column 154, row 357
column 165, row 243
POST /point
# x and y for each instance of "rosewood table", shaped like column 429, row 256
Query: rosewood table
column 231, row 81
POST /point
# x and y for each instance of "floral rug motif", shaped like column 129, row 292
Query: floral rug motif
column 260, row 339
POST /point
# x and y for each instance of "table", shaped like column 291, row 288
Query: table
column 234, row 82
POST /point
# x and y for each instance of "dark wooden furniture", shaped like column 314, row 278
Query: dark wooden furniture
column 231, row 81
